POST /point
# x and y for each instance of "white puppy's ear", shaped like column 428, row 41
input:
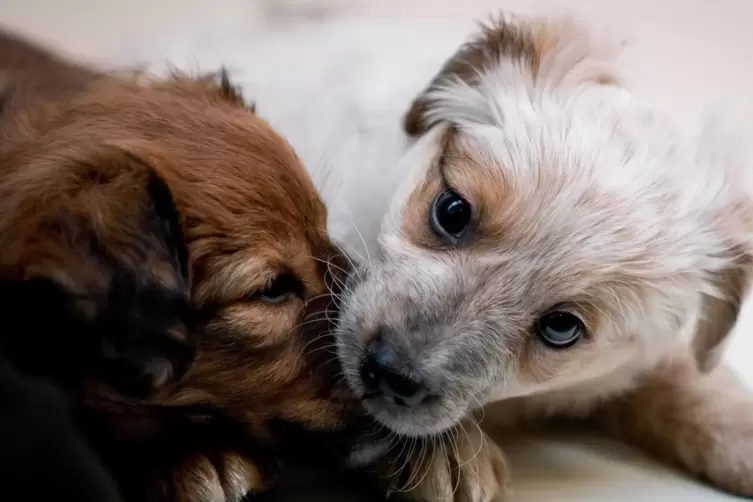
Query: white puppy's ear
column 719, row 314
column 536, row 54
column 495, row 42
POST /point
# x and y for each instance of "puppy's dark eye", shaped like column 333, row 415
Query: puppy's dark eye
column 560, row 329
column 451, row 215
column 283, row 288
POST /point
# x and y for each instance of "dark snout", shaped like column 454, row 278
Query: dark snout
column 389, row 375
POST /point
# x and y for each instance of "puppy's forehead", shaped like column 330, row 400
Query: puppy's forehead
column 564, row 206
column 216, row 156
column 249, row 208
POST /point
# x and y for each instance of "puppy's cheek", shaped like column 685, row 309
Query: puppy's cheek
column 352, row 332
column 357, row 315
column 349, row 354
column 265, row 326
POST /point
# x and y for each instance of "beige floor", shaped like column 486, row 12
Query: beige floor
column 686, row 56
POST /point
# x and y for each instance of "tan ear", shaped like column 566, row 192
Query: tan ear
column 542, row 49
column 719, row 315
column 494, row 41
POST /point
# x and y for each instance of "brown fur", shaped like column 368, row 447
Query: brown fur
column 79, row 156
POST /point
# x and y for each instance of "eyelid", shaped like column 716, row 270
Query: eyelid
column 446, row 185
column 441, row 166
column 269, row 276
column 290, row 283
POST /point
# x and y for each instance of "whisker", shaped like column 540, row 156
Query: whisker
column 360, row 236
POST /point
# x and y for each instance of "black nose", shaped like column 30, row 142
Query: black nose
column 381, row 377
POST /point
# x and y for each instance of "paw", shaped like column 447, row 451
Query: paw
column 464, row 465
column 216, row 477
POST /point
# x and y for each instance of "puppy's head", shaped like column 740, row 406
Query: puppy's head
column 87, row 194
column 548, row 234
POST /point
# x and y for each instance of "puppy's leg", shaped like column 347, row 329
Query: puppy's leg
column 703, row 422
column 96, row 268
column 464, row 465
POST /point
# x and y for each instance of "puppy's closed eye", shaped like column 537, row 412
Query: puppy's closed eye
column 283, row 288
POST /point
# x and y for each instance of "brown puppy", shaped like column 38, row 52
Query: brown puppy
column 164, row 257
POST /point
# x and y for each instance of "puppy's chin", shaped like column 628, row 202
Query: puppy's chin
column 367, row 450
column 425, row 420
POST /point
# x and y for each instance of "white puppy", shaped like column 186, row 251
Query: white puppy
column 537, row 242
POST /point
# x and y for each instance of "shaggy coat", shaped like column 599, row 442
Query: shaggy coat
column 165, row 262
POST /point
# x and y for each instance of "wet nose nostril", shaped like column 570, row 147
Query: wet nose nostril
column 370, row 376
column 380, row 377
column 405, row 391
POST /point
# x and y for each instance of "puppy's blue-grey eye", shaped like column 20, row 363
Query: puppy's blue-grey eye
column 560, row 329
column 451, row 214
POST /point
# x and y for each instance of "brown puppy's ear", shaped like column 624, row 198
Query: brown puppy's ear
column 544, row 52
column 145, row 321
column 719, row 315
column 104, row 258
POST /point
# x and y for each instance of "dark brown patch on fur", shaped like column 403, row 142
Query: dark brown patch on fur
column 459, row 169
column 497, row 40
column 527, row 44
column 418, row 208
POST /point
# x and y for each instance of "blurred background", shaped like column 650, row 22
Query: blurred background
column 685, row 54
column 687, row 57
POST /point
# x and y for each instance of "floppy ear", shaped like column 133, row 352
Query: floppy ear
column 533, row 52
column 719, row 315
column 496, row 41
column 97, row 275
